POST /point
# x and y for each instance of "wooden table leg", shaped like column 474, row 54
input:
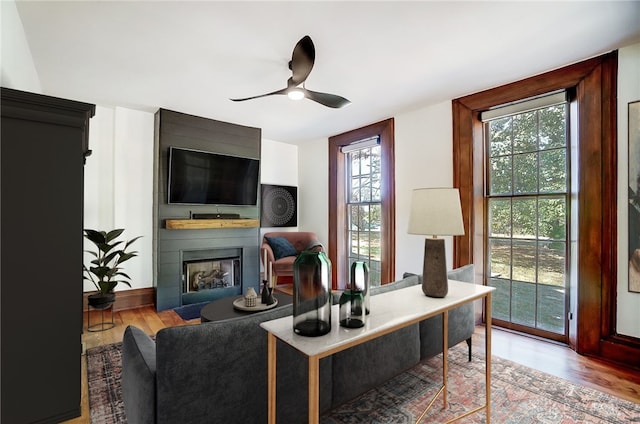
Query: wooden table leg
column 445, row 354
column 314, row 389
column 271, row 378
column 487, row 341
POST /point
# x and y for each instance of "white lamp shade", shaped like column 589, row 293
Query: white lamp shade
column 436, row 211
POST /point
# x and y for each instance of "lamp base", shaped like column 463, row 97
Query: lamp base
column 434, row 271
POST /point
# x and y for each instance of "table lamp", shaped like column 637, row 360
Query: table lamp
column 436, row 212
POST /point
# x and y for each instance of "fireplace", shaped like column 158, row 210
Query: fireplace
column 210, row 274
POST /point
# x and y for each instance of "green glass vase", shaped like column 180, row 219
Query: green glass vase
column 312, row 294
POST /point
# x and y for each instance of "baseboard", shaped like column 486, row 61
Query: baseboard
column 128, row 299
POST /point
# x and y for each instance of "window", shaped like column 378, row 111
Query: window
column 362, row 202
column 527, row 198
column 592, row 327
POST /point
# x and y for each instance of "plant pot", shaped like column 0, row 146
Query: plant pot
column 101, row 300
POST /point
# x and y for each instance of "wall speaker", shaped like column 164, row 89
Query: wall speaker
column 278, row 207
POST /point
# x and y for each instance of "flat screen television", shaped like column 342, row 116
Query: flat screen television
column 205, row 178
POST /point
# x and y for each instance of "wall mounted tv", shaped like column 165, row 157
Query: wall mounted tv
column 205, row 178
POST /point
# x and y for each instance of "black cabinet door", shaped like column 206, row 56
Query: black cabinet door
column 41, row 178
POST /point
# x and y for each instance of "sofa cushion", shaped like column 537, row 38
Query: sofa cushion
column 281, row 247
column 139, row 376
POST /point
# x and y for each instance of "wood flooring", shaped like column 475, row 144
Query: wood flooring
column 549, row 357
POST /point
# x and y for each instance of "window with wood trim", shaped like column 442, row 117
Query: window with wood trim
column 593, row 328
column 362, row 202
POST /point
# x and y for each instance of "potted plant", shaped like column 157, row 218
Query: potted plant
column 105, row 272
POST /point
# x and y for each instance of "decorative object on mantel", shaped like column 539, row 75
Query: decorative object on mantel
column 437, row 212
column 312, row 294
column 250, row 298
column 360, row 278
column 278, row 206
column 105, row 272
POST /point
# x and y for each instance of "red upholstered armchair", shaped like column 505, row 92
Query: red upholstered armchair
column 282, row 249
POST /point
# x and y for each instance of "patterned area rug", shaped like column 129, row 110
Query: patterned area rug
column 519, row 394
column 104, row 366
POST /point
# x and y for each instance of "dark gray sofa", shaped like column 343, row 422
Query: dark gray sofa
column 216, row 372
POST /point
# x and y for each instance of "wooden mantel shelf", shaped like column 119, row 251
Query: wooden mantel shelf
column 200, row 224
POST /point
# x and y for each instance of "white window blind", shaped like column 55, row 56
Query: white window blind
column 526, row 105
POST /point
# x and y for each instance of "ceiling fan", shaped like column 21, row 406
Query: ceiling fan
column 301, row 63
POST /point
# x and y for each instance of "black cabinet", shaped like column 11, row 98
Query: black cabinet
column 43, row 143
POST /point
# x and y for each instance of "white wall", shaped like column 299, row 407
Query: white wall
column 18, row 70
column 119, row 184
column 313, row 192
column 628, row 317
column 424, row 158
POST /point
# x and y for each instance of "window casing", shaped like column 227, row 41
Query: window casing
column 592, row 329
column 339, row 219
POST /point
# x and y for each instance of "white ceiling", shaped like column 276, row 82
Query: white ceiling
column 386, row 57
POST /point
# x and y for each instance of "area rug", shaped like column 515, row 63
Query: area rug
column 519, row 394
column 191, row 311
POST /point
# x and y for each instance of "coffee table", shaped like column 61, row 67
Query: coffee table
column 223, row 308
column 390, row 312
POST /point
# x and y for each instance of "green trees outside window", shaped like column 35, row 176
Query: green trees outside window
column 527, row 202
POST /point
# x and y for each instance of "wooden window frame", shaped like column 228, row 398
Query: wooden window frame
column 337, row 198
column 593, row 330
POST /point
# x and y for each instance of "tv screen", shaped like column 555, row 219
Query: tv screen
column 205, row 178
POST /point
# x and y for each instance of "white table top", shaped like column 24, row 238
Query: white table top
column 389, row 312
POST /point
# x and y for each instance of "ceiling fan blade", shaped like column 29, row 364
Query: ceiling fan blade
column 282, row 91
column 326, row 99
column 302, row 59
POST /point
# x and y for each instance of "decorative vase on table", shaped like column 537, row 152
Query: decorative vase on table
column 312, row 294
column 360, row 281
column 352, row 308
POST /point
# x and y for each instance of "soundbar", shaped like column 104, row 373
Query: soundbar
column 215, row 216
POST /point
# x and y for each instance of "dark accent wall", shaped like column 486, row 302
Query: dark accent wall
column 193, row 132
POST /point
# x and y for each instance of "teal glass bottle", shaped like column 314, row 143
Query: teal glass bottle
column 360, row 281
column 312, row 294
column 352, row 309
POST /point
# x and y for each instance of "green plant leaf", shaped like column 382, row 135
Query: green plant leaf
column 114, row 234
column 96, row 237
column 130, row 242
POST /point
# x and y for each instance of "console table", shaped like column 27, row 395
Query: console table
column 390, row 312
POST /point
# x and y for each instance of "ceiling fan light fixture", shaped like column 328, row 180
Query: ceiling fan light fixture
column 295, row 94
column 300, row 65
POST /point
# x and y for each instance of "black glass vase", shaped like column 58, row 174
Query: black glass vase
column 312, row 294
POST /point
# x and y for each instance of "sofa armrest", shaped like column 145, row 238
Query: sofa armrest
column 139, row 376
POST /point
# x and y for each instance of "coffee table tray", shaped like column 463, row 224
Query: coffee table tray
column 239, row 304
